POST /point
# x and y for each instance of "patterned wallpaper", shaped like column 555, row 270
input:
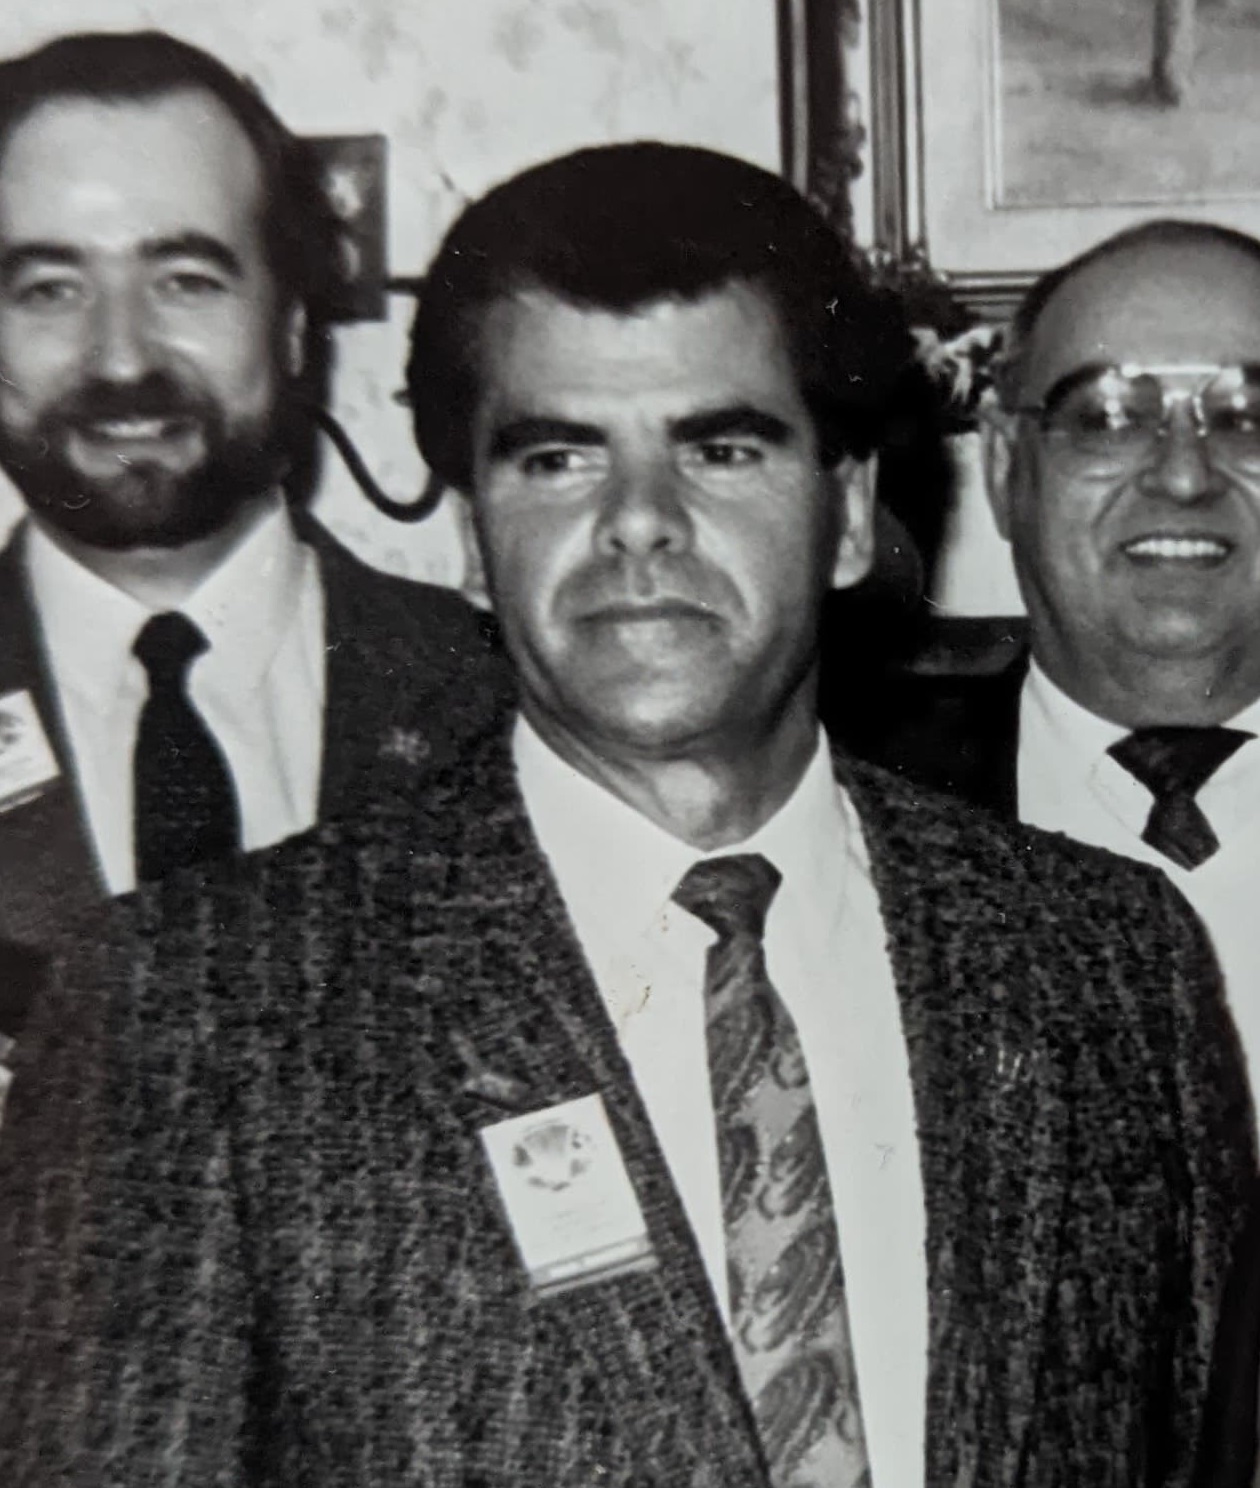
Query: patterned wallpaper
column 467, row 91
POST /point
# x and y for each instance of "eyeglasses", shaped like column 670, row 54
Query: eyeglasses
column 1111, row 418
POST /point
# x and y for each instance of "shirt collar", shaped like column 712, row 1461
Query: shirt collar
column 246, row 605
column 1069, row 730
column 614, row 866
column 90, row 625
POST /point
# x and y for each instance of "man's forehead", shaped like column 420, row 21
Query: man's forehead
column 74, row 155
column 1192, row 301
column 535, row 341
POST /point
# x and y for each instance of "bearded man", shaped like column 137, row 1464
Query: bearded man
column 189, row 667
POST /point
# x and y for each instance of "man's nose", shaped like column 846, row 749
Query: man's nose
column 643, row 512
column 1182, row 469
column 122, row 336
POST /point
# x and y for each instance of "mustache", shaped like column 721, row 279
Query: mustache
column 156, row 395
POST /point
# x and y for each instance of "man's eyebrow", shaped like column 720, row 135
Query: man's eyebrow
column 14, row 260
column 194, row 245
column 524, row 433
column 180, row 245
column 722, row 423
column 1078, row 377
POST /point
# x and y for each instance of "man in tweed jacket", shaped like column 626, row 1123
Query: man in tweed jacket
column 253, row 1234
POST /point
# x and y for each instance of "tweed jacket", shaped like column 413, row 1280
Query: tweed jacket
column 250, row 1238
column 393, row 646
column 1228, row 1456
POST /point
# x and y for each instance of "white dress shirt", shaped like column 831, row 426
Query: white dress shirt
column 259, row 688
column 825, row 952
column 1067, row 782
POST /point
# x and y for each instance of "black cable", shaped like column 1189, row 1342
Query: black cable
column 401, row 511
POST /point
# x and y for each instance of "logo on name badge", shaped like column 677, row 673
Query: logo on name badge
column 553, row 1156
column 27, row 762
column 573, row 1211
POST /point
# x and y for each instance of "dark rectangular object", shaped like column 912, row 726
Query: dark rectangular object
column 352, row 167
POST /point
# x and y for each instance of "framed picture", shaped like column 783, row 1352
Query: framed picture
column 353, row 172
column 1005, row 136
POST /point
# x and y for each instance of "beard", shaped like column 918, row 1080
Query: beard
column 190, row 487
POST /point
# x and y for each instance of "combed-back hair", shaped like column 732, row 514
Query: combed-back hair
column 299, row 229
column 1158, row 232
column 620, row 227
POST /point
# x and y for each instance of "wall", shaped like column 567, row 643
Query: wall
column 467, row 91
column 975, row 575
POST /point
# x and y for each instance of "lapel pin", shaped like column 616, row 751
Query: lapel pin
column 408, row 745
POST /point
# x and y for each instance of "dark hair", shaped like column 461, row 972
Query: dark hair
column 1160, row 232
column 297, row 223
column 618, row 227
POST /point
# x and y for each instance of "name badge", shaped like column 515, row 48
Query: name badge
column 27, row 762
column 6, row 1074
column 574, row 1214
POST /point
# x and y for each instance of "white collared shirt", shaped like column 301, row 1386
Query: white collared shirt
column 1067, row 782
column 259, row 688
column 826, row 954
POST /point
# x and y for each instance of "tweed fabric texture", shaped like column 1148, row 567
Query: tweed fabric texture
column 248, row 1237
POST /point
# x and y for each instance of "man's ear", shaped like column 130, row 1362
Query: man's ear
column 293, row 340
column 854, row 486
column 473, row 585
column 998, row 431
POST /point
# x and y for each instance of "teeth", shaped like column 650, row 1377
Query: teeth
column 1178, row 547
column 130, row 428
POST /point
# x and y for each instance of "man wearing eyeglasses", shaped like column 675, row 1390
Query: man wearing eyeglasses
column 1124, row 471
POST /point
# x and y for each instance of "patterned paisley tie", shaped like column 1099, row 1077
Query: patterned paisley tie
column 1173, row 764
column 789, row 1323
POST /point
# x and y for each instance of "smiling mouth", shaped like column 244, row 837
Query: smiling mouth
column 134, row 430
column 1195, row 549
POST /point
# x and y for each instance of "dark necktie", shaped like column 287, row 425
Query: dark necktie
column 186, row 808
column 1174, row 764
column 789, row 1322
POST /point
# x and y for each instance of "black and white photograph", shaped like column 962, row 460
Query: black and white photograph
column 629, row 744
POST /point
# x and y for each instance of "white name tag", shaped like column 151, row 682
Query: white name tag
column 6, row 1074
column 574, row 1213
column 27, row 762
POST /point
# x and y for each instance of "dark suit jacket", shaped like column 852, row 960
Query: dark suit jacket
column 955, row 732
column 392, row 645
column 249, row 1237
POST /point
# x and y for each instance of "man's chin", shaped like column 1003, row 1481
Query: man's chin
column 1175, row 632
column 148, row 507
column 119, row 519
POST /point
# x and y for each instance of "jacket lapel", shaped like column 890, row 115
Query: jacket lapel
column 532, row 1032
column 994, row 1117
column 47, row 868
column 405, row 683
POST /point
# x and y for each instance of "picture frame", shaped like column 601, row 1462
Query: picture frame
column 930, row 142
column 353, row 171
